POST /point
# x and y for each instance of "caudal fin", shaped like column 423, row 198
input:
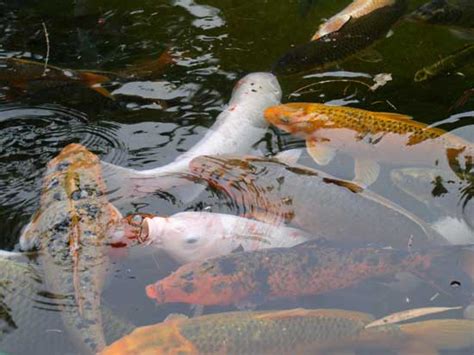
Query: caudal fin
column 442, row 334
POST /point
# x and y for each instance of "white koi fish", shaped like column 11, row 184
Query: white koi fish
column 236, row 130
column 193, row 236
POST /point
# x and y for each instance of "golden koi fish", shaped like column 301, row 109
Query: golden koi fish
column 294, row 331
column 372, row 137
column 70, row 230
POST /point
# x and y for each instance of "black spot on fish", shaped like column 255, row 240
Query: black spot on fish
column 188, row 276
column 397, row 257
column 227, row 266
column 253, row 90
column 219, row 287
column 76, row 195
column 53, row 183
column 63, row 166
column 261, row 278
column 189, row 288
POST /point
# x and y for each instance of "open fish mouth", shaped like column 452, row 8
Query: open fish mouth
column 156, row 292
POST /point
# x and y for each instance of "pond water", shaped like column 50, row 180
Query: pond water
column 150, row 121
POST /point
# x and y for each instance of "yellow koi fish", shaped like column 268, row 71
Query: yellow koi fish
column 295, row 331
column 372, row 137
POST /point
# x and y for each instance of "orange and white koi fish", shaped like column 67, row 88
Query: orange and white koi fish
column 372, row 138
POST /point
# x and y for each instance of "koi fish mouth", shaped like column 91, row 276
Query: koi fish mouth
column 156, row 292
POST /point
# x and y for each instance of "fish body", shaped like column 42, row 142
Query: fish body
column 453, row 61
column 294, row 331
column 29, row 75
column 311, row 268
column 447, row 12
column 311, row 200
column 371, row 137
column 193, row 236
column 236, row 130
column 355, row 35
column 238, row 127
column 70, row 231
column 354, row 10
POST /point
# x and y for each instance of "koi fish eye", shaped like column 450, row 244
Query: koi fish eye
column 191, row 240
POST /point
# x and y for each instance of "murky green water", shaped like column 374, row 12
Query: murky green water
column 149, row 123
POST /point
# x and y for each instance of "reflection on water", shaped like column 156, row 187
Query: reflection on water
column 148, row 122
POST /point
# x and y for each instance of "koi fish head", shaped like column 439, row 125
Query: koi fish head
column 73, row 154
column 259, row 85
column 202, row 283
column 162, row 338
column 295, row 118
column 188, row 236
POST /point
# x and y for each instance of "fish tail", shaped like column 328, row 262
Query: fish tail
column 442, row 334
column 94, row 80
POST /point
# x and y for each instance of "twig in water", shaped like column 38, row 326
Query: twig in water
column 46, row 36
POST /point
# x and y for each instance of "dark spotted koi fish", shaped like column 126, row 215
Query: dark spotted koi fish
column 311, row 268
column 70, row 231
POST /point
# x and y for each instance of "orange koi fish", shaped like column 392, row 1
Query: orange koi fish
column 311, row 268
column 371, row 137
column 29, row 75
column 294, row 331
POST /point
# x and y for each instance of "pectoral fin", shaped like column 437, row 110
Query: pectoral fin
column 366, row 172
column 290, row 156
column 175, row 316
column 408, row 315
column 321, row 152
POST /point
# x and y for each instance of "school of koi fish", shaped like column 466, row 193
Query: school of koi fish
column 300, row 231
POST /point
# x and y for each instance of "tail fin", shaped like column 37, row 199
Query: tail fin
column 94, row 80
column 442, row 334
